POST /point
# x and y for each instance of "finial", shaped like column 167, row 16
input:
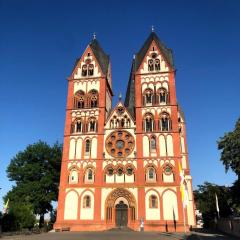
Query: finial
column 94, row 35
column 152, row 28
column 120, row 96
column 134, row 56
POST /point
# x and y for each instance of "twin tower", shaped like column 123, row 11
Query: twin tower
column 122, row 166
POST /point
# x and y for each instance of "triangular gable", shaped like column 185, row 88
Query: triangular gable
column 99, row 58
column 115, row 113
column 165, row 52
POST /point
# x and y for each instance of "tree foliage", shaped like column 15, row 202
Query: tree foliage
column 36, row 172
column 19, row 216
column 230, row 146
column 205, row 200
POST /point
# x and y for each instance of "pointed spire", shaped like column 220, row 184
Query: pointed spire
column 120, row 97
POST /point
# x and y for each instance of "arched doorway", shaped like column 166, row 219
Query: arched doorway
column 120, row 208
column 121, row 215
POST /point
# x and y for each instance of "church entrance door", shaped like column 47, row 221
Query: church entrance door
column 121, row 214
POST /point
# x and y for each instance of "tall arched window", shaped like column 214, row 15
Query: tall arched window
column 162, row 96
column 93, row 99
column 148, row 122
column 157, row 64
column 77, row 126
column 150, row 65
column 73, row 177
column 86, row 201
column 148, row 97
column 153, row 202
column 89, row 175
column 92, row 125
column 79, row 99
column 165, row 122
column 84, row 70
column 88, row 147
column 90, row 69
column 153, row 144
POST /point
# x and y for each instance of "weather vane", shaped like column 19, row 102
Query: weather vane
column 152, row 28
column 94, row 35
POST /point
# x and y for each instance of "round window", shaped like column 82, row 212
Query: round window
column 120, row 171
column 110, row 171
column 168, row 170
column 129, row 171
column 120, row 144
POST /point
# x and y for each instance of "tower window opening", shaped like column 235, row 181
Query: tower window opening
column 86, row 202
column 153, row 203
column 88, row 147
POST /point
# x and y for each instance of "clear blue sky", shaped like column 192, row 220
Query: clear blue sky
column 40, row 40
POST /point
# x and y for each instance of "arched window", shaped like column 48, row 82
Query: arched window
column 88, row 147
column 157, row 64
column 79, row 99
column 86, row 201
column 93, row 99
column 148, row 97
column 153, row 201
column 150, row 65
column 73, row 177
column 84, row 70
column 77, row 126
column 151, row 174
column 89, row 175
column 153, row 144
column 165, row 122
column 148, row 122
column 162, row 96
column 90, row 69
column 92, row 125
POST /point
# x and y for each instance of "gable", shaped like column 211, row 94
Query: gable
column 119, row 115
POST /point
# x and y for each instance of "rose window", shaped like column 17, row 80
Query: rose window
column 120, row 144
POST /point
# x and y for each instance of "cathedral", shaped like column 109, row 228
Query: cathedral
column 123, row 165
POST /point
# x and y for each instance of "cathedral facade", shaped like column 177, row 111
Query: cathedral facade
column 121, row 164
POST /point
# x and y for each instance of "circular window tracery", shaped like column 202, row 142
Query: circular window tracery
column 120, row 144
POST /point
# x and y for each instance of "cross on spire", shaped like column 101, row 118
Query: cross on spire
column 153, row 28
column 94, row 35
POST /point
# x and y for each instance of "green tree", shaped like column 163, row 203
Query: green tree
column 19, row 216
column 36, row 172
column 229, row 145
column 205, row 199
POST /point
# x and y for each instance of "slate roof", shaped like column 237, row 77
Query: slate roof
column 130, row 94
column 167, row 52
column 102, row 57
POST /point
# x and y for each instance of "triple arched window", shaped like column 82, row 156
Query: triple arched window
column 165, row 122
column 148, row 122
column 77, row 126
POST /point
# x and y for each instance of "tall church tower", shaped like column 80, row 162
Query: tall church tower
column 123, row 166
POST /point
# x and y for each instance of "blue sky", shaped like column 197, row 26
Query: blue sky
column 40, row 41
